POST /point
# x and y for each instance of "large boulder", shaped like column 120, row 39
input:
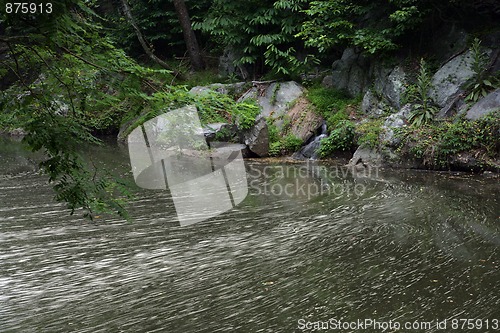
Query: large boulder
column 382, row 157
column 304, row 123
column 485, row 106
column 388, row 88
column 350, row 72
column 275, row 98
column 451, row 77
column 366, row 156
column 257, row 138
column 390, row 83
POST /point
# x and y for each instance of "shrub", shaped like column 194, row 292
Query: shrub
column 284, row 145
column 341, row 138
column 436, row 144
column 292, row 143
column 334, row 120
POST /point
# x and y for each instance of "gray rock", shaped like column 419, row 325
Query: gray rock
column 257, row 138
column 275, row 98
column 366, row 156
column 210, row 130
column 200, row 90
column 485, row 106
column 220, row 150
column 451, row 77
column 350, row 72
column 369, row 102
column 391, row 84
column 327, row 81
column 227, row 89
column 19, row 132
column 304, row 123
column 490, row 174
column 456, row 104
column 373, row 106
column 392, row 122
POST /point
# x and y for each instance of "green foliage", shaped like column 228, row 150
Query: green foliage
column 328, row 100
column 284, row 145
column 331, row 103
column 245, row 113
column 482, row 82
column 73, row 81
column 263, row 31
column 334, row 120
column 158, row 22
column 60, row 138
column 225, row 135
column 340, row 138
column 273, row 131
column 423, row 107
column 343, row 23
column 437, row 144
column 275, row 148
column 368, row 133
column 281, row 143
column 76, row 82
column 292, row 143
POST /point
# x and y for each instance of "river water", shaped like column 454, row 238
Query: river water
column 338, row 245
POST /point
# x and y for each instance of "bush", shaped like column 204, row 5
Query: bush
column 284, row 145
column 292, row 143
column 436, row 144
column 341, row 138
column 334, row 120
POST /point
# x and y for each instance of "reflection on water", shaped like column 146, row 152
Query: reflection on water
column 406, row 246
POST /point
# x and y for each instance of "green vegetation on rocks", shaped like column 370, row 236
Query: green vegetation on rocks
column 437, row 144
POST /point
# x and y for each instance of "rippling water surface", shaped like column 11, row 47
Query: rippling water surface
column 394, row 245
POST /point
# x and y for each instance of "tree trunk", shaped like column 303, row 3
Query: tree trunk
column 131, row 21
column 189, row 37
